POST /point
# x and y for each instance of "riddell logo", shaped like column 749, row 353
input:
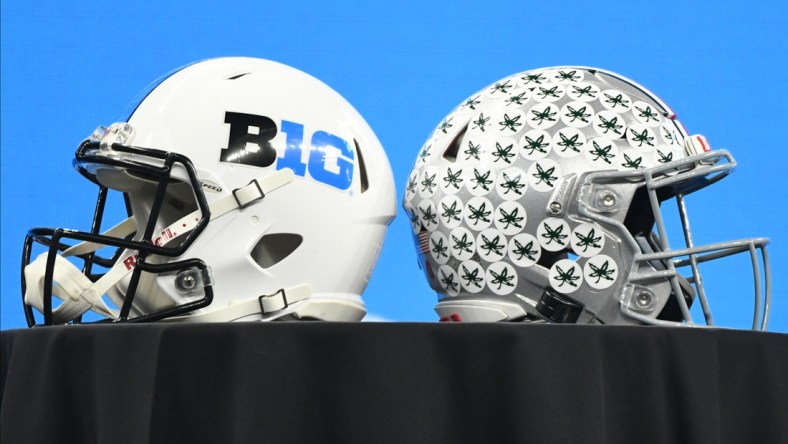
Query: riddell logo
column 166, row 235
column 131, row 262
column 454, row 317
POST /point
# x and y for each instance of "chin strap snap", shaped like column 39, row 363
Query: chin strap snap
column 79, row 294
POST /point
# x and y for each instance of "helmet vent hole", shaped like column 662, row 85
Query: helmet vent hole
column 454, row 147
column 548, row 258
column 238, row 76
column 362, row 168
column 273, row 248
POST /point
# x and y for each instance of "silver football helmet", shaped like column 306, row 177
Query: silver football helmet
column 538, row 198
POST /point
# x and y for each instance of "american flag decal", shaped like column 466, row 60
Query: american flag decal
column 424, row 241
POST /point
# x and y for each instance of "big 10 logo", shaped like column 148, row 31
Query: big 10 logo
column 250, row 144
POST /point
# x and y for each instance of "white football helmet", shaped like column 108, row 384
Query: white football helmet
column 254, row 192
column 538, row 199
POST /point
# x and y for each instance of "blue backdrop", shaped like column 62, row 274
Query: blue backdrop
column 69, row 66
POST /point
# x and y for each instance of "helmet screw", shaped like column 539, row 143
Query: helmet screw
column 555, row 207
column 185, row 281
column 607, row 199
column 188, row 282
column 643, row 299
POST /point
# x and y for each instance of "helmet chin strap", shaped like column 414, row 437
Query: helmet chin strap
column 263, row 305
column 79, row 294
column 293, row 302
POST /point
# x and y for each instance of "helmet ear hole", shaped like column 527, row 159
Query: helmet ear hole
column 548, row 258
column 273, row 248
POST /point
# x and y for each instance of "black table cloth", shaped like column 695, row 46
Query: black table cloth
column 392, row 382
